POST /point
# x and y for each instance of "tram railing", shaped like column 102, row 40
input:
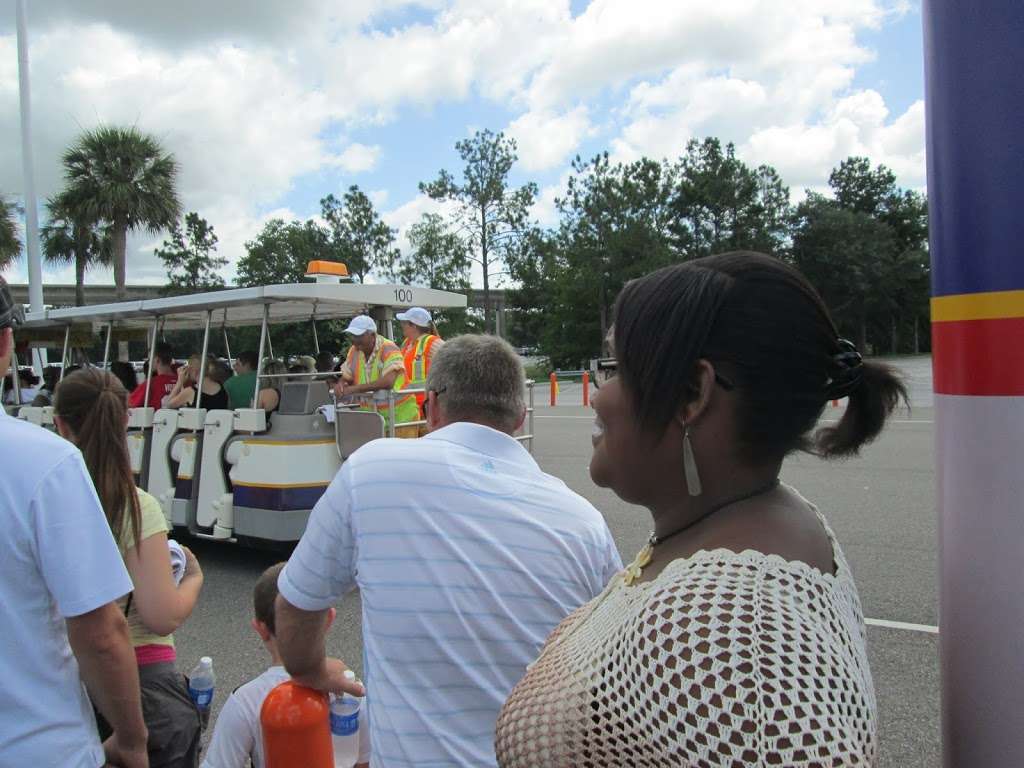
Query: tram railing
column 392, row 397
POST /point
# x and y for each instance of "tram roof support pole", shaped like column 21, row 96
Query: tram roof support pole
column 264, row 337
column 227, row 345
column 15, row 377
column 316, row 339
column 152, row 361
column 202, row 358
column 106, row 345
column 64, row 354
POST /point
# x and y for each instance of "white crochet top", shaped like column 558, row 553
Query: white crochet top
column 725, row 659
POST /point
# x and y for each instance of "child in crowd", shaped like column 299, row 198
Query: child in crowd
column 236, row 736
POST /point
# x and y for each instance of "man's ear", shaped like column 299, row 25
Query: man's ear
column 698, row 394
column 520, row 421
column 433, row 411
column 63, row 429
column 261, row 629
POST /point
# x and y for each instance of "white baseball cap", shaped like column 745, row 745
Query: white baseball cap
column 360, row 325
column 417, row 316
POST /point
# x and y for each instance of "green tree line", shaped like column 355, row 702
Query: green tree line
column 864, row 244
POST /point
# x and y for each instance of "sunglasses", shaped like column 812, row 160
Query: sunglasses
column 610, row 368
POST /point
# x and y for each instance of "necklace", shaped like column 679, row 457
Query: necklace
column 645, row 555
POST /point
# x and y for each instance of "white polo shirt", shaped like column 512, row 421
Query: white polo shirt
column 238, row 737
column 466, row 556
column 58, row 559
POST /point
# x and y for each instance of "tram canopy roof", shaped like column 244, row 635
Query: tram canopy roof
column 244, row 306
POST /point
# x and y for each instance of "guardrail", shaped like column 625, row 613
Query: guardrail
column 391, row 396
column 583, row 375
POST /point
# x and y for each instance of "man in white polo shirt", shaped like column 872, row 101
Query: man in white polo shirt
column 60, row 572
column 466, row 556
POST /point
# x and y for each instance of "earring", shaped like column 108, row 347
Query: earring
column 690, row 465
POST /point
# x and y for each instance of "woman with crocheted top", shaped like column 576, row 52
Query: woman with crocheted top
column 736, row 637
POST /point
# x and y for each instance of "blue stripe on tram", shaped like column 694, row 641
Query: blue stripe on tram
column 280, row 499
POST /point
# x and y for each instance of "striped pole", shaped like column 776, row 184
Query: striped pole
column 974, row 55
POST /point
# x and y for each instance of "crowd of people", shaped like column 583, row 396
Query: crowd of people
column 499, row 624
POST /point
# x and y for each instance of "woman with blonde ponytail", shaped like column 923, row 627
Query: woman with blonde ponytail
column 91, row 411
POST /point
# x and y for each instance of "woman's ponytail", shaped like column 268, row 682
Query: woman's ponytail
column 873, row 396
column 94, row 405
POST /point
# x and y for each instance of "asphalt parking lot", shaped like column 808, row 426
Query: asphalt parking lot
column 881, row 505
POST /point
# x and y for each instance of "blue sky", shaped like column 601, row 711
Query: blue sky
column 271, row 106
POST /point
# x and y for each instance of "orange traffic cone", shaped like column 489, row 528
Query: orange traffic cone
column 296, row 728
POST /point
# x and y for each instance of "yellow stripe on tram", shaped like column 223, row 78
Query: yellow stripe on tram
column 993, row 305
column 288, row 442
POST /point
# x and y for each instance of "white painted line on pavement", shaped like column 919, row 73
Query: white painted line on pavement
column 829, row 421
column 927, row 628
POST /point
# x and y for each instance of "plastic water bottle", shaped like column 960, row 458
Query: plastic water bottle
column 200, row 688
column 345, row 726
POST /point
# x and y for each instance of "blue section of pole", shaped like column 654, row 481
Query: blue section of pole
column 974, row 56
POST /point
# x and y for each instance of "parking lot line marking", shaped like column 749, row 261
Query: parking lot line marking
column 926, row 628
column 829, row 421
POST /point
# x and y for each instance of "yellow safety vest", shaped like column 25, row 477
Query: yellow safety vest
column 364, row 371
column 417, row 363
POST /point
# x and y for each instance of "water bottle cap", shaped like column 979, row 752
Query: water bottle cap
column 349, row 674
column 206, row 661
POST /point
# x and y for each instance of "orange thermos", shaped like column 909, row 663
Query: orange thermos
column 296, row 728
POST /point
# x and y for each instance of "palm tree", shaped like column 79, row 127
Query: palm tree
column 124, row 178
column 66, row 240
column 10, row 245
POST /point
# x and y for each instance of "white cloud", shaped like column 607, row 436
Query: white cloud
column 358, row 157
column 410, row 212
column 545, row 140
column 804, row 153
column 252, row 97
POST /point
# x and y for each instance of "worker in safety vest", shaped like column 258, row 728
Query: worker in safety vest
column 421, row 342
column 374, row 365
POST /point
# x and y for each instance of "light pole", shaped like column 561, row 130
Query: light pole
column 35, row 268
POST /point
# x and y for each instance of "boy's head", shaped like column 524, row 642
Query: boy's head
column 264, row 596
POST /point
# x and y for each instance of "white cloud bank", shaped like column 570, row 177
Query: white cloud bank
column 253, row 96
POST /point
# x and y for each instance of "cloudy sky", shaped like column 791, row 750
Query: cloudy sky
column 269, row 106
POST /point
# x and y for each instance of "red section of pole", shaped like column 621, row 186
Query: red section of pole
column 296, row 728
column 554, row 389
column 586, row 389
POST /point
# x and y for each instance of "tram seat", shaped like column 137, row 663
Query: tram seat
column 31, row 414
column 213, row 483
column 353, row 429
column 185, row 453
column 162, row 467
column 303, row 397
column 140, row 439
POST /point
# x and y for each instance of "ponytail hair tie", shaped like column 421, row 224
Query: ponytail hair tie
column 846, row 371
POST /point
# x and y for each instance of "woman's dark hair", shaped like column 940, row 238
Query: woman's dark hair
column 765, row 329
column 94, row 404
column 51, row 377
column 164, row 353
column 249, row 358
column 125, row 374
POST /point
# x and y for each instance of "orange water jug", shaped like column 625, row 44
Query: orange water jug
column 296, row 728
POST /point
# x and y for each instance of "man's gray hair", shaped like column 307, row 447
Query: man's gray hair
column 480, row 379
